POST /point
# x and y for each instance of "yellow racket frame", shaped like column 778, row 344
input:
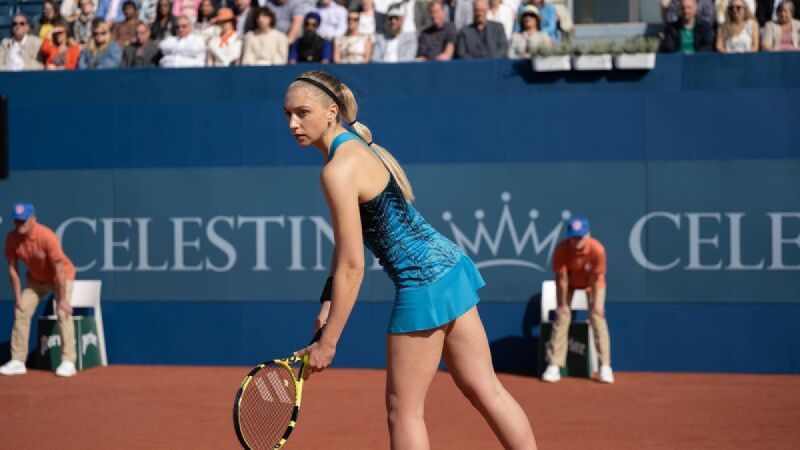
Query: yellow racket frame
column 298, row 384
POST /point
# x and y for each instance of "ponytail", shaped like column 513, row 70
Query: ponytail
column 348, row 111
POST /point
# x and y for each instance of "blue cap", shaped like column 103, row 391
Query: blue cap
column 577, row 226
column 313, row 15
column 22, row 210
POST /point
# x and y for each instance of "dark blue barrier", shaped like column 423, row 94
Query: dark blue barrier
column 184, row 192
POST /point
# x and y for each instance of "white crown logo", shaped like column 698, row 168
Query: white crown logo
column 506, row 226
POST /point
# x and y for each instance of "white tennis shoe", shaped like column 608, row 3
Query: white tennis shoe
column 66, row 369
column 552, row 374
column 606, row 374
column 13, row 367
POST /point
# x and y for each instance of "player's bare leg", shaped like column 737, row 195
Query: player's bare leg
column 469, row 361
column 412, row 362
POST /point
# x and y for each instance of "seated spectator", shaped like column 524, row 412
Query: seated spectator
column 739, row 33
column 671, row 11
column 722, row 7
column 688, row 35
column 394, row 45
column 185, row 49
column 111, row 11
column 80, row 29
column 125, row 32
column 353, row 47
column 767, row 10
column 226, row 49
column 204, row 25
column 57, row 52
column 481, row 39
column 333, row 19
column 550, row 21
column 288, row 16
column 147, row 11
column 71, row 9
column 142, row 52
column 525, row 43
column 503, row 14
column 370, row 21
column 20, row 51
column 415, row 17
column 164, row 26
column 101, row 52
column 265, row 46
column 186, row 8
column 310, row 47
column 49, row 18
column 438, row 41
column 244, row 19
column 783, row 34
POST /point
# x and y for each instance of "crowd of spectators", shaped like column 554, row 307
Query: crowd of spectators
column 94, row 34
column 729, row 26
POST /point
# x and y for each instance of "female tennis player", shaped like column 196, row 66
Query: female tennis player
column 435, row 312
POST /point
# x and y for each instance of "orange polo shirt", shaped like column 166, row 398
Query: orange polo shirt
column 39, row 251
column 580, row 265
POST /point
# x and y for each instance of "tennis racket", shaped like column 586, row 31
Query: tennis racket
column 268, row 402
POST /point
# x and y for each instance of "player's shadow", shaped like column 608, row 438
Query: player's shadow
column 520, row 354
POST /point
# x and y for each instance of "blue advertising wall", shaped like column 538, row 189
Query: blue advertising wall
column 184, row 192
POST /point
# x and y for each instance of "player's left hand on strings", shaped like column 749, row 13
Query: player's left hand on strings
column 320, row 356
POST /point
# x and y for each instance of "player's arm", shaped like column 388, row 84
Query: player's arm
column 562, row 277
column 562, row 289
column 325, row 303
column 61, row 286
column 13, row 276
column 598, row 282
column 341, row 195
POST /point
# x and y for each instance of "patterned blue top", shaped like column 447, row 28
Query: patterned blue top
column 410, row 250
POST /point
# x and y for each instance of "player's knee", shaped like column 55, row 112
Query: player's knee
column 599, row 312
column 481, row 392
column 399, row 409
column 563, row 310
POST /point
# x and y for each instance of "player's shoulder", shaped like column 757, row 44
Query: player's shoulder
column 597, row 246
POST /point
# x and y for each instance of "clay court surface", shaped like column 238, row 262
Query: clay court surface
column 141, row 407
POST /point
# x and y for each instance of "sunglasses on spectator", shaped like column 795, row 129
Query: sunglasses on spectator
column 353, row 19
column 20, row 24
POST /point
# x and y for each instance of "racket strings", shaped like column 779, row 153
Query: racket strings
column 267, row 405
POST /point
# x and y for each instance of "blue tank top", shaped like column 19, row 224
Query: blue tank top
column 410, row 250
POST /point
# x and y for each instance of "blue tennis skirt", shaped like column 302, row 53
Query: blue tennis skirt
column 438, row 303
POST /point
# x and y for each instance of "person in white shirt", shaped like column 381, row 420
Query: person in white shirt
column 394, row 45
column 184, row 50
column 501, row 13
column 226, row 49
column 333, row 21
column 20, row 50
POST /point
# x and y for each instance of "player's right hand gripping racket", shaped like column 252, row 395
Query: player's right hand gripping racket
column 268, row 402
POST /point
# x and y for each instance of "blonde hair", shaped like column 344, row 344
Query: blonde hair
column 348, row 111
column 727, row 27
column 92, row 46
